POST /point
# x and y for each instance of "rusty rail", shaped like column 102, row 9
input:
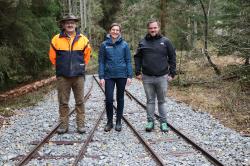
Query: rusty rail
column 210, row 157
column 85, row 145
column 156, row 157
column 29, row 156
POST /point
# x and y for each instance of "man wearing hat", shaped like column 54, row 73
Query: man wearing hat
column 70, row 53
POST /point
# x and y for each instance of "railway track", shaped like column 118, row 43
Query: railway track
column 155, row 155
column 46, row 139
column 150, row 141
column 145, row 144
column 205, row 153
column 33, row 154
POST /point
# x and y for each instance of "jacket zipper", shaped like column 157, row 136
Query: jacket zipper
column 70, row 54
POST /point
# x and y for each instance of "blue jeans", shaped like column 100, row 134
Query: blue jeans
column 155, row 87
column 109, row 94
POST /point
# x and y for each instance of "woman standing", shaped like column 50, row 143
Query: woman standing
column 114, row 69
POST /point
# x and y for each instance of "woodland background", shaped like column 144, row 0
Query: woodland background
column 211, row 37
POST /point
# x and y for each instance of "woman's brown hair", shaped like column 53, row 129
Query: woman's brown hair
column 115, row 24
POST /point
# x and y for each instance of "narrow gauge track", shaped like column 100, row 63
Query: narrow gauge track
column 155, row 156
column 84, row 147
column 81, row 153
column 30, row 155
column 210, row 158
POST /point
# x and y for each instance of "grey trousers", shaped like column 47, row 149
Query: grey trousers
column 155, row 87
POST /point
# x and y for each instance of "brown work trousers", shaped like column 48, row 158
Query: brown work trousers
column 64, row 86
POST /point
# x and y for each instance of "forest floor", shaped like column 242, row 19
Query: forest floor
column 224, row 98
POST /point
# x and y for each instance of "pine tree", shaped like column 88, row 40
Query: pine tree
column 25, row 37
column 233, row 28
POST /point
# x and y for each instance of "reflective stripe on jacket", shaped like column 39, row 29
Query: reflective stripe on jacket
column 69, row 54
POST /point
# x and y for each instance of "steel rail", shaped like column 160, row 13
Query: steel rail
column 86, row 143
column 29, row 156
column 156, row 157
column 210, row 157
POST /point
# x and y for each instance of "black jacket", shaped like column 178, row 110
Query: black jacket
column 155, row 56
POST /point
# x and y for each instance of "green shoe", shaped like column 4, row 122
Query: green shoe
column 149, row 126
column 164, row 127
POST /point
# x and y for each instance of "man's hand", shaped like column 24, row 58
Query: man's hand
column 170, row 78
column 102, row 82
column 139, row 77
column 129, row 80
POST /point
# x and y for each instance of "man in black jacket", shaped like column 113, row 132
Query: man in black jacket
column 156, row 57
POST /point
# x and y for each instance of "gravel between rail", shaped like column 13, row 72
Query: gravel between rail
column 112, row 148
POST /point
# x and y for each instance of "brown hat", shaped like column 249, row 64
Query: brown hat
column 69, row 17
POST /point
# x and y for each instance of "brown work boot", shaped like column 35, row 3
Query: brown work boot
column 64, row 125
column 80, row 116
column 63, row 119
column 80, row 123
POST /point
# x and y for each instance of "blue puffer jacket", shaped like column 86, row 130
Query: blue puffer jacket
column 114, row 59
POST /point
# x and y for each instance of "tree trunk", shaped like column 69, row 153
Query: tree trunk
column 195, row 29
column 70, row 7
column 64, row 7
column 180, row 66
column 217, row 71
column 247, row 61
column 163, row 4
column 81, row 15
column 85, row 14
column 74, row 7
column 89, row 19
column 133, row 37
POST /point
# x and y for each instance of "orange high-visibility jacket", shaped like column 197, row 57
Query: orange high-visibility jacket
column 69, row 54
